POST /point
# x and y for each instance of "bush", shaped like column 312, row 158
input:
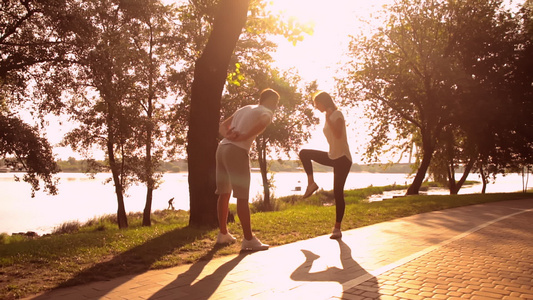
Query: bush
column 15, row 238
column 68, row 227
column 258, row 204
column 4, row 238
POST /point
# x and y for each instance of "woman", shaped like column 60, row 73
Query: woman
column 338, row 157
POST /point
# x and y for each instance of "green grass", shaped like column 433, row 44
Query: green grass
column 78, row 253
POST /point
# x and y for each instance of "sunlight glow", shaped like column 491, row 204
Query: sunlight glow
column 320, row 55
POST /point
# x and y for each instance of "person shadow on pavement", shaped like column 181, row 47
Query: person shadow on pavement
column 186, row 284
column 350, row 271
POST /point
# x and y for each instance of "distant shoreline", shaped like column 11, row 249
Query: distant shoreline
column 80, row 166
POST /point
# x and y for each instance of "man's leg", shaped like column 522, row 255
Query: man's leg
column 243, row 210
column 249, row 243
column 222, row 209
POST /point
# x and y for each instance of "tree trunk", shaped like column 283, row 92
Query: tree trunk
column 452, row 184
column 147, row 221
column 209, row 78
column 261, row 150
column 150, row 180
column 149, row 173
column 414, row 188
column 483, row 179
column 122, row 218
column 149, row 165
column 149, row 169
column 525, row 178
column 459, row 184
column 266, row 190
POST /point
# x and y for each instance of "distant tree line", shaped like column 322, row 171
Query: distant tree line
column 73, row 165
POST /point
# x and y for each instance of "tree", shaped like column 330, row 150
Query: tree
column 34, row 47
column 518, row 133
column 400, row 72
column 453, row 151
column 105, row 100
column 491, row 99
column 209, row 79
column 119, row 85
column 156, row 47
column 439, row 75
column 33, row 40
column 524, row 90
column 23, row 142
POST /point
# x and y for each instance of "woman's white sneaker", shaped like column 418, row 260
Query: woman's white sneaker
column 253, row 245
column 225, row 238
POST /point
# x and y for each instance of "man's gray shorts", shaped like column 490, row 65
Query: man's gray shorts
column 233, row 171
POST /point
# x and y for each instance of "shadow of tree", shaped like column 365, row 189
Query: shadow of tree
column 183, row 286
column 350, row 271
column 136, row 260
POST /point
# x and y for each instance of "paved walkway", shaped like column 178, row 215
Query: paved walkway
column 474, row 252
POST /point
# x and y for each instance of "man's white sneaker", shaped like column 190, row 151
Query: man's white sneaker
column 253, row 245
column 225, row 238
column 337, row 234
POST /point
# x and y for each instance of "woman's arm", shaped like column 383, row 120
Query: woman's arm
column 336, row 126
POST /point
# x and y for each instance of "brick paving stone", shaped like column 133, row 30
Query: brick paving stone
column 387, row 297
column 454, row 294
column 465, row 291
column 426, row 289
column 385, row 291
column 409, row 296
column 426, row 294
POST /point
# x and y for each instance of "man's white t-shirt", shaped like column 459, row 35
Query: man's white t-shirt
column 244, row 119
column 338, row 147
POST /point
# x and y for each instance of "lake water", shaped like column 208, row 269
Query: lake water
column 81, row 198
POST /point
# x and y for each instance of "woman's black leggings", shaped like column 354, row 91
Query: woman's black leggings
column 341, row 168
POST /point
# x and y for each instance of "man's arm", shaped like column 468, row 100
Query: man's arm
column 261, row 124
column 225, row 129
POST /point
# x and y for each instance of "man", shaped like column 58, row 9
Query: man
column 171, row 203
column 233, row 165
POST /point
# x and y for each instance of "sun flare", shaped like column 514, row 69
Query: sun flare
column 320, row 54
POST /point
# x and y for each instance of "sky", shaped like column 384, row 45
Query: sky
column 318, row 56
